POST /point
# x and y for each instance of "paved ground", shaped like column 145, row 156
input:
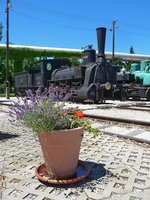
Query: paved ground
column 120, row 168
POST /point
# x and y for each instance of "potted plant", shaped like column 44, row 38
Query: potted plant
column 60, row 128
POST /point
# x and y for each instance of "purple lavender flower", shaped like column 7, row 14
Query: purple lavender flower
column 40, row 110
column 46, row 111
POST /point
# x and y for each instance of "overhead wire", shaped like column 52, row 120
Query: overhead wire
column 57, row 13
column 133, row 33
column 74, row 27
column 50, row 23
column 69, row 16
column 78, row 18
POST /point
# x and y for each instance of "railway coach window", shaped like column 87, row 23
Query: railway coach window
column 49, row 66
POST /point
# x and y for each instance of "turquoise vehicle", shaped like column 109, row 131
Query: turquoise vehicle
column 141, row 73
column 135, row 83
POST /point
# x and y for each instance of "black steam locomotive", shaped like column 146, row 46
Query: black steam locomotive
column 93, row 80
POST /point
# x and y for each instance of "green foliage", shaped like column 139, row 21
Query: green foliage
column 125, row 170
column 20, row 54
column 74, row 61
column 3, row 73
column 30, row 64
column 4, row 95
column 126, row 64
column 119, row 62
column 132, row 198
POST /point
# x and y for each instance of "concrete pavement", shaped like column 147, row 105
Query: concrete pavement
column 120, row 168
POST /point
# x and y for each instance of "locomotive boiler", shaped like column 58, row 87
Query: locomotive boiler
column 94, row 79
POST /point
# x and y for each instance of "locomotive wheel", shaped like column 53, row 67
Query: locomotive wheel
column 136, row 98
column 124, row 95
column 92, row 95
column 96, row 101
column 96, row 95
column 148, row 98
column 99, row 96
column 148, row 95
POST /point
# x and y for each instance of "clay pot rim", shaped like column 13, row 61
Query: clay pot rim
column 59, row 131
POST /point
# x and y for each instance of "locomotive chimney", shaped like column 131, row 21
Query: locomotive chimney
column 101, row 35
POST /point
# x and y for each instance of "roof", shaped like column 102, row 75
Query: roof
column 125, row 56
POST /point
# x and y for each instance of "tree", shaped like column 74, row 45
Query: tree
column 3, row 74
column 131, row 50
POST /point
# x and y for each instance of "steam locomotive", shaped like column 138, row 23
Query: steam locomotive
column 93, row 80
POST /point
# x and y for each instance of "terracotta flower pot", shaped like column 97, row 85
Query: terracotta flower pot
column 61, row 151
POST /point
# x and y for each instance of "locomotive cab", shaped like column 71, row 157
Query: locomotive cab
column 37, row 78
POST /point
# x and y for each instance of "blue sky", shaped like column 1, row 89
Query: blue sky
column 73, row 23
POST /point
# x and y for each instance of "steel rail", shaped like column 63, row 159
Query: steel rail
column 146, row 109
column 117, row 119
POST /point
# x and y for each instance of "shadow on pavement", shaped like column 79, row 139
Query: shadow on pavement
column 6, row 136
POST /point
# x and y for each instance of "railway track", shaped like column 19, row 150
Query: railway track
column 127, row 129
column 118, row 119
column 132, row 123
column 131, row 128
column 141, row 107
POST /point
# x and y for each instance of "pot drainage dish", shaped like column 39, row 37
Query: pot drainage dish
column 82, row 171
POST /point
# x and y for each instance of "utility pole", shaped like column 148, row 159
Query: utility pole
column 1, row 31
column 8, row 5
column 113, row 38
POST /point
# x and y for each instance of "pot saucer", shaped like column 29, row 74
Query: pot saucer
column 82, row 171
